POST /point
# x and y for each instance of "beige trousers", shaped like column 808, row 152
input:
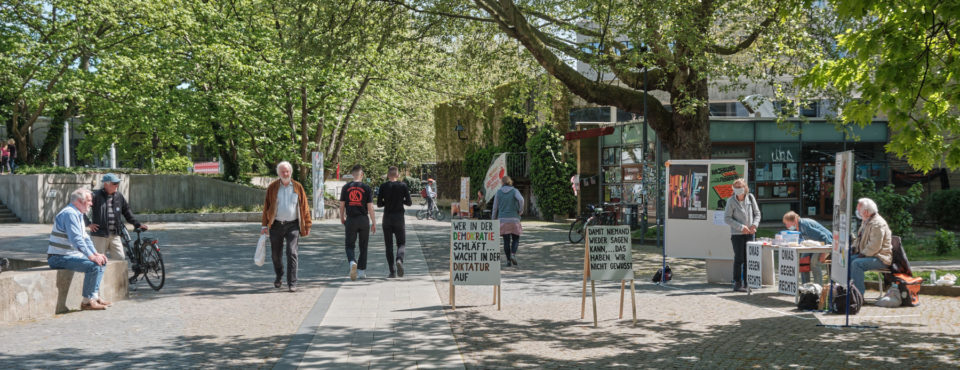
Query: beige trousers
column 112, row 243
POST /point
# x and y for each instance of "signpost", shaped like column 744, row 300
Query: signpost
column 608, row 256
column 474, row 256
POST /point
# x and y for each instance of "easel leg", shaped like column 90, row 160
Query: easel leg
column 633, row 300
column 593, row 294
column 453, row 297
column 498, row 298
column 494, row 294
column 622, row 284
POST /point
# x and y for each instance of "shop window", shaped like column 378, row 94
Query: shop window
column 728, row 109
column 591, row 114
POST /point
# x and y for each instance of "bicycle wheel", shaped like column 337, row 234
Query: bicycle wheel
column 153, row 267
column 576, row 231
column 439, row 215
column 421, row 214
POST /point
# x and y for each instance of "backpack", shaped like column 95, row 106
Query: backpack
column 840, row 299
column 423, row 192
column 909, row 289
column 805, row 263
column 659, row 274
column 809, row 297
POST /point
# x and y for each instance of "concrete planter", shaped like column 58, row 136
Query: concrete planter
column 36, row 291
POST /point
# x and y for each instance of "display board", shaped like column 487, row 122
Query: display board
column 789, row 265
column 842, row 194
column 754, row 265
column 608, row 255
column 474, row 255
column 317, row 177
column 694, row 190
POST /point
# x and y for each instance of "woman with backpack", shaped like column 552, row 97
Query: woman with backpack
column 743, row 215
column 507, row 207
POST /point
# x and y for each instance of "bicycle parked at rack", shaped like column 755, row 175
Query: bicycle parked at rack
column 594, row 216
column 145, row 259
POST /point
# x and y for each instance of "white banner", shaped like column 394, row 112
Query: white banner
column 475, row 252
column 317, row 173
column 842, row 196
column 491, row 182
column 611, row 255
column 754, row 270
column 789, row 266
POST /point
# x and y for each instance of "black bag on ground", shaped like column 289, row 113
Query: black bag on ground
column 809, row 297
column 659, row 274
column 840, row 299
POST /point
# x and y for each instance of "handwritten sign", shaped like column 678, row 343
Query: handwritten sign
column 754, row 270
column 475, row 252
column 789, row 265
column 611, row 257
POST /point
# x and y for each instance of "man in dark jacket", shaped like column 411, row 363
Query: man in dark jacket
column 108, row 206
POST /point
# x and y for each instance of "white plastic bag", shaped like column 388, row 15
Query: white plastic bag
column 947, row 280
column 261, row 254
column 891, row 299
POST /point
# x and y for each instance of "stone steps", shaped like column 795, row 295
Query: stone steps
column 7, row 216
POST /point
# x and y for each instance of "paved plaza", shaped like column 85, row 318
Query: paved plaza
column 219, row 310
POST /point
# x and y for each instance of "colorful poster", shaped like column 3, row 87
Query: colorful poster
column 687, row 192
column 475, row 252
column 842, row 194
column 721, row 184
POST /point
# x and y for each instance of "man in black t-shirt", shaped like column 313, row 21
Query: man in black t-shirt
column 357, row 216
column 392, row 196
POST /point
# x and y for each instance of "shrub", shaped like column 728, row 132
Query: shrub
column 941, row 205
column 944, row 241
column 476, row 162
column 174, row 163
column 895, row 208
column 513, row 135
column 413, row 183
column 550, row 173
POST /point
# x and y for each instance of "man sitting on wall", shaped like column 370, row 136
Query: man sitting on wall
column 71, row 248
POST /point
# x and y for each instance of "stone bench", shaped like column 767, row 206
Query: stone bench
column 32, row 290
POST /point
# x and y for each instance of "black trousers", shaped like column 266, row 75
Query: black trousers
column 288, row 232
column 393, row 227
column 740, row 256
column 357, row 226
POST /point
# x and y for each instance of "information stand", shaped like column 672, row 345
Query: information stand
column 607, row 255
column 474, row 256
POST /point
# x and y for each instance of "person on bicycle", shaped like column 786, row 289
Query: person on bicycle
column 358, row 219
column 431, row 191
column 508, row 207
column 71, row 249
column 286, row 216
column 393, row 195
column 108, row 207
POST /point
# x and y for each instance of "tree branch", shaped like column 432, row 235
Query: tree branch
column 730, row 50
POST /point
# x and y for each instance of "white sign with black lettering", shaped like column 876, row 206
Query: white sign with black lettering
column 754, row 270
column 611, row 257
column 475, row 252
column 789, row 265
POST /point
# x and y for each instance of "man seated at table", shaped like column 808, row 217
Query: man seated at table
column 809, row 230
column 873, row 246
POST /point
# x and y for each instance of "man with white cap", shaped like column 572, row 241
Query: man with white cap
column 108, row 206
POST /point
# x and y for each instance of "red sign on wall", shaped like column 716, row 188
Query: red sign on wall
column 206, row 167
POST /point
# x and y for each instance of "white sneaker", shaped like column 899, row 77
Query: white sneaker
column 362, row 274
column 353, row 270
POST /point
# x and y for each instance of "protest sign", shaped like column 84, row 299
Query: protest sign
column 608, row 256
column 789, row 265
column 754, row 271
column 474, row 255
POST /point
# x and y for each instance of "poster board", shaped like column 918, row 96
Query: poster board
column 608, row 255
column 694, row 190
column 316, row 161
column 474, row 255
column 754, row 265
column 464, row 196
column 789, row 266
column 842, row 194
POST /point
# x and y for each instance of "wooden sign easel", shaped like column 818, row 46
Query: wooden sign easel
column 593, row 288
column 496, row 287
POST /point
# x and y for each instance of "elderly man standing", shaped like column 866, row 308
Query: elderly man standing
column 286, row 214
column 108, row 205
column 809, row 230
column 873, row 245
column 71, row 248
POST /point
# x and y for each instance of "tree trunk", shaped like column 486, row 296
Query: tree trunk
column 689, row 135
column 346, row 119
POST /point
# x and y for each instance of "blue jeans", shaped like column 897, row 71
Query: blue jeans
column 861, row 264
column 93, row 273
column 510, row 244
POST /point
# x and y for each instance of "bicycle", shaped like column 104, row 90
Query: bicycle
column 594, row 216
column 145, row 258
column 429, row 213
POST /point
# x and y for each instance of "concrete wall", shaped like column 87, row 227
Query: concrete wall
column 156, row 192
column 38, row 198
column 41, row 292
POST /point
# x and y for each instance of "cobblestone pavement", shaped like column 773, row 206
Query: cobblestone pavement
column 686, row 324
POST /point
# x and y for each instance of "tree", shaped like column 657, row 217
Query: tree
column 684, row 46
column 900, row 58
